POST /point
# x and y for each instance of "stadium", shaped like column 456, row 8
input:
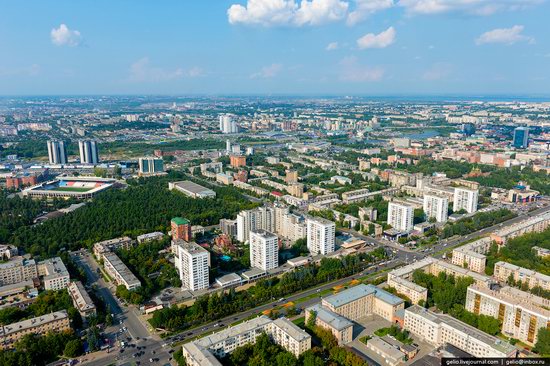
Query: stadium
column 70, row 187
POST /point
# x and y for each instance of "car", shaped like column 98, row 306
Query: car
column 151, row 360
column 171, row 351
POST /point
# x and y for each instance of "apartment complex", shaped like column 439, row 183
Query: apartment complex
column 364, row 300
column 320, row 235
column 81, row 300
column 181, row 229
column 472, row 255
column 504, row 271
column 255, row 219
column 111, row 245
column 535, row 224
column 150, row 165
column 88, row 152
column 192, row 262
column 120, row 273
column 53, row 322
column 439, row 329
column 401, row 278
column 400, row 216
column 436, row 206
column 340, row 327
column 522, row 314
column 53, row 273
column 203, row 352
column 264, row 250
column 57, row 152
column 465, row 199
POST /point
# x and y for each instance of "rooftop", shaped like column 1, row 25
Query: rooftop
column 32, row 323
column 451, row 322
column 180, row 221
column 291, row 329
column 360, row 291
column 336, row 321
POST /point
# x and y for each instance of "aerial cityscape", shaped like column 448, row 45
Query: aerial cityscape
column 338, row 205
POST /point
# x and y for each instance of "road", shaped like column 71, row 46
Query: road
column 127, row 325
column 402, row 256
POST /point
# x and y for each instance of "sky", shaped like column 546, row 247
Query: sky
column 275, row 47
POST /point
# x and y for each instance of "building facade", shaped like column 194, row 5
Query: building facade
column 192, row 262
column 264, row 250
column 400, row 216
column 320, row 235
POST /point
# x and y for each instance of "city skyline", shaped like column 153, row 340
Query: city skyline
column 279, row 47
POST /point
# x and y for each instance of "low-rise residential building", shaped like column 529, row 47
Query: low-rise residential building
column 472, row 255
column 157, row 235
column 521, row 313
column 53, row 322
column 111, row 245
column 289, row 336
column 535, row 224
column 439, row 329
column 401, row 278
column 81, row 300
column 204, row 351
column 541, row 252
column 120, row 273
column 53, row 273
column 506, row 271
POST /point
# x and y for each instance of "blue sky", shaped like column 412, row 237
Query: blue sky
column 330, row 47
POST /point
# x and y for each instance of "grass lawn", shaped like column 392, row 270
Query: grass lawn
column 301, row 322
column 71, row 189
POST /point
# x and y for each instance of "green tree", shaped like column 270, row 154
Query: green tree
column 73, row 348
column 542, row 347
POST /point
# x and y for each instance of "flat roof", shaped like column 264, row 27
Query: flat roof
column 253, row 272
column 228, row 279
column 180, row 221
column 385, row 348
column 193, row 187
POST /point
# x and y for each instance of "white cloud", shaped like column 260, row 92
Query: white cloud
column 63, row 36
column 438, row 71
column 142, row 71
column 332, row 46
column 287, row 12
column 364, row 8
column 380, row 40
column 473, row 7
column 268, row 72
column 352, row 70
column 504, row 35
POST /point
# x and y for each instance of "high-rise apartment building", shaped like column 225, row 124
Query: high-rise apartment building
column 255, row 219
column 465, row 198
column 436, row 206
column 521, row 137
column 320, row 235
column 57, row 152
column 88, row 152
column 264, row 250
column 227, row 124
column 192, row 262
column 150, row 165
column 400, row 216
column 181, row 229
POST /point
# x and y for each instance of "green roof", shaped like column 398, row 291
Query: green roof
column 180, row 221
